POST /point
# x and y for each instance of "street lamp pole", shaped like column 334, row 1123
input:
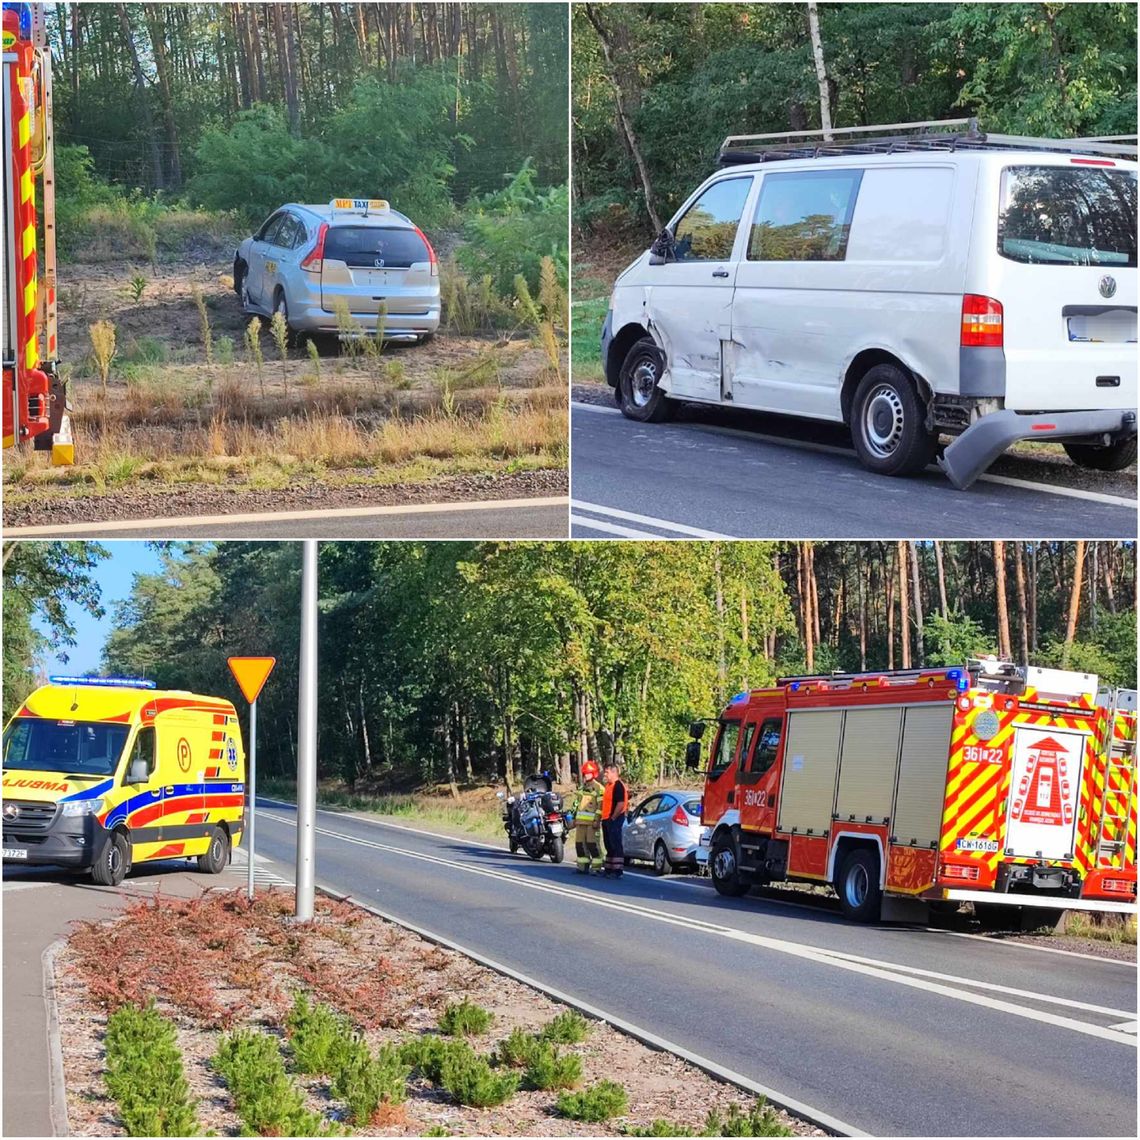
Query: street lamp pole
column 307, row 735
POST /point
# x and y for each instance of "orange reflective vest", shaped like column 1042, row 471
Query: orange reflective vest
column 614, row 800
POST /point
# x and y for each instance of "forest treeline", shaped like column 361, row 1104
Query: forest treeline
column 470, row 662
column 240, row 106
column 657, row 87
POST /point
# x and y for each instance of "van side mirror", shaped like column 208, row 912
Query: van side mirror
column 663, row 249
column 693, row 754
column 138, row 772
column 697, row 729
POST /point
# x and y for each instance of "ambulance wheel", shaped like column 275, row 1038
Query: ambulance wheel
column 217, row 855
column 1115, row 457
column 556, row 850
column 888, row 423
column 857, row 885
column 640, row 398
column 661, row 864
column 726, row 875
column 113, row 864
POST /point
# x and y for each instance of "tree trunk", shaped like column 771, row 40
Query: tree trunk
column 623, row 117
column 141, row 93
column 920, row 647
column 156, row 27
column 863, row 585
column 722, row 663
column 904, row 606
column 820, row 70
column 1022, row 600
column 941, row 580
column 1005, row 650
column 1074, row 602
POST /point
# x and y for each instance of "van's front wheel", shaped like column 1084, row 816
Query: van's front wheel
column 640, row 397
column 888, row 424
column 217, row 856
column 111, row 867
column 1115, row 457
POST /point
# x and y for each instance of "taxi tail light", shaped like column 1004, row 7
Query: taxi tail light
column 315, row 256
column 431, row 252
column 982, row 322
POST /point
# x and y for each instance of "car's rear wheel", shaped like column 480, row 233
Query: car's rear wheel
column 661, row 863
column 217, row 856
column 640, row 397
column 888, row 423
column 1115, row 457
column 281, row 306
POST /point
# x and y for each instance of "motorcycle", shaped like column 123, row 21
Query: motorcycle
column 534, row 819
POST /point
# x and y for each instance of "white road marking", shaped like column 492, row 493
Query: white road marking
column 613, row 528
column 99, row 528
column 910, row 977
column 833, row 449
column 647, row 520
column 1125, row 1027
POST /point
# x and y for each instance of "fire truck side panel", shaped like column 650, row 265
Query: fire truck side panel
column 808, row 857
column 917, row 818
column 868, row 764
column 811, row 762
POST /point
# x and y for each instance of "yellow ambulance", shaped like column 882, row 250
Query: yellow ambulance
column 104, row 772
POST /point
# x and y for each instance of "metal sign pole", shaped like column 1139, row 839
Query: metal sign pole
column 252, row 788
column 307, row 735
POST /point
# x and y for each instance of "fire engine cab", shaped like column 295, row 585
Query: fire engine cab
column 992, row 783
column 35, row 401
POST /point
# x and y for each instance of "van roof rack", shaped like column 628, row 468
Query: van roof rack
column 894, row 138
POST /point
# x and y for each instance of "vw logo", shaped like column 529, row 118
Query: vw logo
column 1107, row 286
column 11, row 811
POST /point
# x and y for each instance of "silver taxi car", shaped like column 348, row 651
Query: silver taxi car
column 336, row 268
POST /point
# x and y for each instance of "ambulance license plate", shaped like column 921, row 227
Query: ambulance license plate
column 15, row 852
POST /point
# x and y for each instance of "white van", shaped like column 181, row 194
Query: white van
column 933, row 281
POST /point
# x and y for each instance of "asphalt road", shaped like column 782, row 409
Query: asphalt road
column 896, row 1031
column 689, row 479
column 514, row 518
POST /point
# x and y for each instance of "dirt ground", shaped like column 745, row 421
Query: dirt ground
column 393, row 983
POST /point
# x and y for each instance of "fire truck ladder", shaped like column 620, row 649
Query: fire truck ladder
column 841, row 680
column 893, row 138
column 1119, row 779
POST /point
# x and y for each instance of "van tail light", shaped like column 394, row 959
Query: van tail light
column 313, row 259
column 431, row 252
column 981, row 322
column 681, row 816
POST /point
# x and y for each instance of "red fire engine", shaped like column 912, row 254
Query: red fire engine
column 991, row 783
column 35, row 403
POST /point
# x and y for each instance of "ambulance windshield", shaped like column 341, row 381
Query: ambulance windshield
column 77, row 747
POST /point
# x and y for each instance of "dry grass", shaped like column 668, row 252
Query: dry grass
column 1115, row 928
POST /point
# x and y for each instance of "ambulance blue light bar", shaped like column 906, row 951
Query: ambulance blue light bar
column 106, row 682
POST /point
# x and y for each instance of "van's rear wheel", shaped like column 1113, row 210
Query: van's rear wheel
column 217, row 856
column 640, row 397
column 857, row 885
column 111, row 867
column 1115, row 457
column 888, row 423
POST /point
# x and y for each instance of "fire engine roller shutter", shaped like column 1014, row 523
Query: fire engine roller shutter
column 811, row 757
column 867, row 769
column 917, row 819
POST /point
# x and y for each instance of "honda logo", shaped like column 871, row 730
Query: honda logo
column 1108, row 286
column 379, row 263
column 11, row 811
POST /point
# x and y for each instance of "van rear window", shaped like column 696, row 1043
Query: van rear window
column 1060, row 215
column 375, row 247
column 77, row 747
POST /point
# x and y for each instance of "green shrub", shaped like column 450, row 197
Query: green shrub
column 267, row 1101
column 145, row 1074
column 548, row 1068
column 314, row 1033
column 465, row 1019
column 760, row 1120
column 516, row 1049
column 470, row 1080
column 660, row 1127
column 568, row 1028
column 365, row 1081
column 598, row 1103
column 427, row 1054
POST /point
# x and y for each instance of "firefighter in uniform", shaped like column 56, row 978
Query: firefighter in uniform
column 586, row 807
column 615, row 800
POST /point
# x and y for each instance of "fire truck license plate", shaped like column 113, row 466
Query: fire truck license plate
column 15, row 852
column 977, row 845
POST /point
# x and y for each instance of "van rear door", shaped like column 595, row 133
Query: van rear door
column 366, row 267
column 1065, row 275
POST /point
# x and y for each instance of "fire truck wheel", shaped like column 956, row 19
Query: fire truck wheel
column 726, row 875
column 217, row 855
column 888, row 423
column 111, row 867
column 640, row 398
column 661, row 864
column 1115, row 457
column 857, row 886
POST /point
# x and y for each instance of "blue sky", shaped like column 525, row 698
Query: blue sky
column 114, row 576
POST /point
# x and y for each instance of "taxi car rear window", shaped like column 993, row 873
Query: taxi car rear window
column 375, row 247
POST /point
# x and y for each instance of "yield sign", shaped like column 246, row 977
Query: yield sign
column 250, row 674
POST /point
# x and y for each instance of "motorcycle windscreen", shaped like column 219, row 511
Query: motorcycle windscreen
column 1041, row 817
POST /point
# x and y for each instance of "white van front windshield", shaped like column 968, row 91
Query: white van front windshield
column 75, row 747
column 1059, row 215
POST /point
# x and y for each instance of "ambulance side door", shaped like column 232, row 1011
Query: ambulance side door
column 141, row 806
column 182, row 752
column 759, row 774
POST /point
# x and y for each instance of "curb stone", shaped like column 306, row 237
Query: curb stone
column 57, row 1087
